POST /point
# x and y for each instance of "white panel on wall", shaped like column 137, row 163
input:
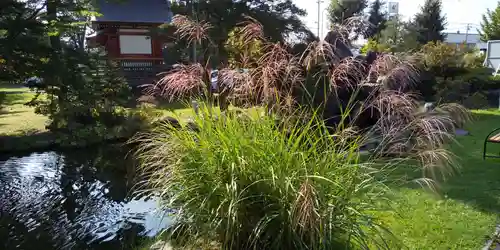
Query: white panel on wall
column 135, row 44
column 493, row 55
column 494, row 49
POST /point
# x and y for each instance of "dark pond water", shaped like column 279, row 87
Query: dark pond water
column 80, row 199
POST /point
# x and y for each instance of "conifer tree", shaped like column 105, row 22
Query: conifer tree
column 377, row 18
column 341, row 10
column 430, row 22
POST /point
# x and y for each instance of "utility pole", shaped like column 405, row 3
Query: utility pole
column 322, row 24
column 319, row 18
column 467, row 34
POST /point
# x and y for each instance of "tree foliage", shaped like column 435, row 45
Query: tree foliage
column 430, row 22
column 24, row 48
column 339, row 11
column 490, row 25
column 45, row 38
column 377, row 19
column 451, row 73
column 243, row 53
column 399, row 35
column 373, row 45
column 443, row 59
column 280, row 19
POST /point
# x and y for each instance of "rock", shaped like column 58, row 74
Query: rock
column 171, row 121
column 428, row 106
column 461, row 132
column 161, row 245
column 192, row 126
column 335, row 39
column 196, row 106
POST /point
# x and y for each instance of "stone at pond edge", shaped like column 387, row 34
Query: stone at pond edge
column 161, row 245
column 461, row 132
column 169, row 120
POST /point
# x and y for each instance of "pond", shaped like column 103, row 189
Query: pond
column 80, row 199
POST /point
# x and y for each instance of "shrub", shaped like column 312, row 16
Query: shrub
column 493, row 83
column 294, row 180
column 88, row 102
column 373, row 45
column 448, row 90
column 443, row 59
column 476, row 101
column 246, row 185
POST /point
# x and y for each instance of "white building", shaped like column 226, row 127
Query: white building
column 472, row 40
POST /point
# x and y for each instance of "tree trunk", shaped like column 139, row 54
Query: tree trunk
column 53, row 78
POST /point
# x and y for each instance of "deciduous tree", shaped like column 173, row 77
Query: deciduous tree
column 490, row 25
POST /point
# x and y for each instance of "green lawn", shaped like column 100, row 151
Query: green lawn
column 462, row 214
column 17, row 118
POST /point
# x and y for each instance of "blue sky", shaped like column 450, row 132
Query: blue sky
column 458, row 12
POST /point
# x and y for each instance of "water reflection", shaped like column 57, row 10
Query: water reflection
column 74, row 200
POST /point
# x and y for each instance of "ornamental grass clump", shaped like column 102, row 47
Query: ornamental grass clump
column 241, row 183
column 294, row 178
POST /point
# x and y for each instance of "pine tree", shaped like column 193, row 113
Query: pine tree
column 377, row 18
column 341, row 10
column 490, row 26
column 23, row 40
column 430, row 22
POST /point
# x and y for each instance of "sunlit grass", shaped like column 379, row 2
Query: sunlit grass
column 17, row 118
column 463, row 213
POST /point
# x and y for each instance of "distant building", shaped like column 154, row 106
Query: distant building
column 472, row 40
column 123, row 29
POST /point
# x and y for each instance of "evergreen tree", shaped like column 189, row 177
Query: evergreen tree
column 377, row 18
column 490, row 26
column 430, row 22
column 341, row 10
column 44, row 38
column 24, row 44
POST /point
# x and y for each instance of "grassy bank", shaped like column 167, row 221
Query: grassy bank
column 22, row 129
column 17, row 118
column 463, row 213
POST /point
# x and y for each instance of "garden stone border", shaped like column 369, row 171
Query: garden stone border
column 491, row 241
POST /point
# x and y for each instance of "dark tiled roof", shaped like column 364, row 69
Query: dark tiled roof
column 143, row 11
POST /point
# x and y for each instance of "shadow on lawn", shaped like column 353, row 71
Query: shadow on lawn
column 17, row 97
column 6, row 112
column 477, row 181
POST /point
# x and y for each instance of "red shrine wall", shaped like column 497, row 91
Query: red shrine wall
column 129, row 41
